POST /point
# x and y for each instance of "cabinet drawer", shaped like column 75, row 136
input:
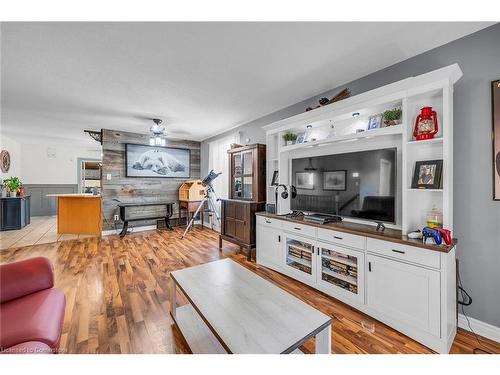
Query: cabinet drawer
column 341, row 238
column 269, row 222
column 305, row 230
column 404, row 252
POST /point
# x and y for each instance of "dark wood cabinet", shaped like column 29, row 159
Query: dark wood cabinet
column 247, row 195
column 14, row 213
column 238, row 222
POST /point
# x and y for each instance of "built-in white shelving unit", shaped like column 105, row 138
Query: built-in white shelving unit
column 333, row 129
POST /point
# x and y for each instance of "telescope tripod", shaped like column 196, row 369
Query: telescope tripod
column 211, row 208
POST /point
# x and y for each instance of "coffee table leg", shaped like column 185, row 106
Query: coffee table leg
column 324, row 341
column 173, row 291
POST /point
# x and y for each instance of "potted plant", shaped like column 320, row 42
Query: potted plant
column 12, row 185
column 289, row 138
column 392, row 117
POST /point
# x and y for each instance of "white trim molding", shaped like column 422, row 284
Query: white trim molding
column 481, row 328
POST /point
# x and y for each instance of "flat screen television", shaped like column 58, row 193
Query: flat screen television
column 358, row 185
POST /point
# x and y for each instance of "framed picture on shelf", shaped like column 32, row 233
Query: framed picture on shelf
column 274, row 181
column 335, row 180
column 301, row 137
column 304, row 180
column 495, row 106
column 375, row 121
column 427, row 174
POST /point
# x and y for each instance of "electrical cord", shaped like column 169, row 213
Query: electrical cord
column 467, row 301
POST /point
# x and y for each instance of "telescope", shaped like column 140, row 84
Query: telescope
column 210, row 177
column 211, row 200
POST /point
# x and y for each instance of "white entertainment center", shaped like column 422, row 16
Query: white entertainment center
column 401, row 282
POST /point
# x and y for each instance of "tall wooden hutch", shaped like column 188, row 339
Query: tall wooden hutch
column 247, row 195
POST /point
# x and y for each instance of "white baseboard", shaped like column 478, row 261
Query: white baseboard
column 481, row 328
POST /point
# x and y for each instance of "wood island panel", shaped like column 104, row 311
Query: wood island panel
column 77, row 214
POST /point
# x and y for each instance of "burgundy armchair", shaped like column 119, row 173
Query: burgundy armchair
column 31, row 310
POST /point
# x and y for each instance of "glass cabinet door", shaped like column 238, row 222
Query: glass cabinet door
column 341, row 270
column 299, row 256
column 242, row 175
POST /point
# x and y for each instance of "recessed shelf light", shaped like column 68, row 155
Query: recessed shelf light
column 355, row 114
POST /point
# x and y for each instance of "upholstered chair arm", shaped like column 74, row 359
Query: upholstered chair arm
column 21, row 278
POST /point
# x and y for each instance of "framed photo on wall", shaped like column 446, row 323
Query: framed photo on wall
column 304, row 180
column 427, row 174
column 154, row 161
column 335, row 180
column 495, row 106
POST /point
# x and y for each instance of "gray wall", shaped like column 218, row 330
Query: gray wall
column 476, row 215
column 41, row 205
column 137, row 189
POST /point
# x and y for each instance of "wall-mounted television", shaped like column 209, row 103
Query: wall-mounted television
column 359, row 185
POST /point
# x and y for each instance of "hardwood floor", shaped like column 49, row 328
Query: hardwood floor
column 117, row 296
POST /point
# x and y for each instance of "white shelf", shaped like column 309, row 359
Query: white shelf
column 350, row 279
column 426, row 141
column 304, row 262
column 427, row 190
column 342, row 260
column 390, row 130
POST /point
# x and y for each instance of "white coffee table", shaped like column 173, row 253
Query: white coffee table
column 233, row 310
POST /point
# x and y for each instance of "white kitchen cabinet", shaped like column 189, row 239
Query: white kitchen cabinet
column 270, row 252
column 403, row 293
column 340, row 271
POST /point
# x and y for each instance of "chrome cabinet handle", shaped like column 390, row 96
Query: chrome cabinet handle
column 297, row 228
column 337, row 237
column 398, row 251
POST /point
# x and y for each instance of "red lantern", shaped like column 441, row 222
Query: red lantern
column 426, row 124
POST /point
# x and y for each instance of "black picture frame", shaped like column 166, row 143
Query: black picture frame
column 435, row 183
column 274, row 181
column 128, row 146
column 340, row 171
column 495, row 136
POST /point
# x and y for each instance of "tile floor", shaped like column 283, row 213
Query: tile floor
column 42, row 229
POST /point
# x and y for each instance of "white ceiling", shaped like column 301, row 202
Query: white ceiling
column 201, row 78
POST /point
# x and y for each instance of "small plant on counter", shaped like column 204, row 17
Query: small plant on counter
column 392, row 116
column 290, row 138
column 13, row 185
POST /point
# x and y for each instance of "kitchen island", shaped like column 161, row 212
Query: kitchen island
column 78, row 213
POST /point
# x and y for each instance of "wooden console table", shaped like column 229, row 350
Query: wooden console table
column 251, row 316
column 123, row 214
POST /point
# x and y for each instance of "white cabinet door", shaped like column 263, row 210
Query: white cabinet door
column 299, row 258
column 269, row 249
column 341, row 271
column 404, row 293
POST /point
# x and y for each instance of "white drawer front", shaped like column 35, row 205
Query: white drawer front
column 346, row 239
column 404, row 252
column 269, row 222
column 304, row 230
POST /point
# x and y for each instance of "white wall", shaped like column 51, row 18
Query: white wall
column 14, row 148
column 39, row 167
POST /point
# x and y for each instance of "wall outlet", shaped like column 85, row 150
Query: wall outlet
column 116, row 217
column 108, row 176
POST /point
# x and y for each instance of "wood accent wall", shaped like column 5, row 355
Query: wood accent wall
column 135, row 189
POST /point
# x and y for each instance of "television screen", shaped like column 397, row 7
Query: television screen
column 358, row 184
